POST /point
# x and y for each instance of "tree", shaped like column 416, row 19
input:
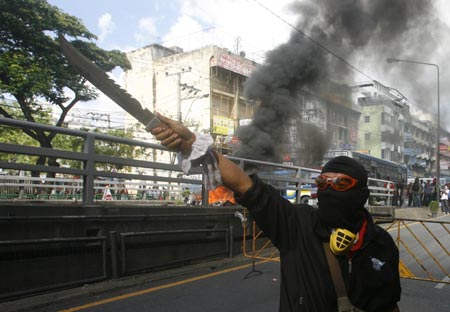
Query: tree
column 32, row 66
column 14, row 135
column 65, row 142
column 114, row 149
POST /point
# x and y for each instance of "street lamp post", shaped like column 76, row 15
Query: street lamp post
column 194, row 99
column 438, row 162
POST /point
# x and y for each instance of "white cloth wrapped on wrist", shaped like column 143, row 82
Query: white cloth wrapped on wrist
column 202, row 156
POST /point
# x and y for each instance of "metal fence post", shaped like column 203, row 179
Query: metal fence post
column 205, row 191
column 230, row 240
column 114, row 255
column 88, row 179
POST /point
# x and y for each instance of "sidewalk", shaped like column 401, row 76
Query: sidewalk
column 414, row 213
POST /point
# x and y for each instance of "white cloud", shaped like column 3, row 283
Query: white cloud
column 187, row 33
column 147, row 25
column 221, row 22
column 147, row 31
column 106, row 25
column 443, row 9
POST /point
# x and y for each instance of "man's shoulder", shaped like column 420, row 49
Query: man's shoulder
column 382, row 235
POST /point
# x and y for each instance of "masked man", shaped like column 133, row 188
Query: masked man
column 367, row 257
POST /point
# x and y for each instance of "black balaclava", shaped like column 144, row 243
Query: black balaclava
column 344, row 209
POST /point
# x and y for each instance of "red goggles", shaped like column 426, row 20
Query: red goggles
column 339, row 182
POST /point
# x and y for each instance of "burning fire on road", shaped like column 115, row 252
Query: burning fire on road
column 221, row 196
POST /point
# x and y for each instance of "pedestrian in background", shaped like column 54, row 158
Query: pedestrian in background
column 428, row 190
column 444, row 200
column 416, row 192
column 435, row 193
column 421, row 193
column 409, row 194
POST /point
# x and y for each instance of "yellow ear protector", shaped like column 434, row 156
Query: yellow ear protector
column 341, row 240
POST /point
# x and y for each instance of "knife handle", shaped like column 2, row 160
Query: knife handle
column 152, row 124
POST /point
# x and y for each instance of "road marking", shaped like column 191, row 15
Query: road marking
column 404, row 271
column 149, row 290
column 445, row 280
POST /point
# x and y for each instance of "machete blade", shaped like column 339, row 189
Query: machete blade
column 100, row 79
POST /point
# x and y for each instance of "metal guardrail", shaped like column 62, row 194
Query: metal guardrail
column 188, row 239
column 89, row 183
column 423, row 245
column 34, row 266
column 33, row 261
column 37, row 188
column 144, row 175
column 424, row 249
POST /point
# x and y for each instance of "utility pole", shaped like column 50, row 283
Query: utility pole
column 178, row 74
column 237, row 42
column 438, row 122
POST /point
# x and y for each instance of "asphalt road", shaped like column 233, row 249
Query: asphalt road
column 226, row 285
column 224, row 291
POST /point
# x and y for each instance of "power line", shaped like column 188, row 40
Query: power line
column 314, row 41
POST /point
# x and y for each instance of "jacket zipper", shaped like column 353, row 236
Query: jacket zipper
column 350, row 258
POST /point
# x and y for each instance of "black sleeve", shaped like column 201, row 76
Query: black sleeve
column 275, row 215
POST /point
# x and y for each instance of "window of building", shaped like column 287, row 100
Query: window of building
column 366, row 119
column 342, row 134
column 222, row 106
column 367, row 136
column 386, row 119
column 245, row 109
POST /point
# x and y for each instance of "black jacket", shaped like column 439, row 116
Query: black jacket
column 306, row 284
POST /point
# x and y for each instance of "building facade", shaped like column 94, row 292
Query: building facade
column 203, row 88
column 391, row 128
column 326, row 119
column 384, row 112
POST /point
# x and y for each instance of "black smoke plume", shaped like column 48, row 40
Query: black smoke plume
column 365, row 32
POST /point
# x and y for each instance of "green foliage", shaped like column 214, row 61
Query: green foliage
column 116, row 149
column 63, row 141
column 15, row 136
column 31, row 63
column 32, row 66
column 434, row 206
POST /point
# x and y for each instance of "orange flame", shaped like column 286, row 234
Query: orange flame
column 221, row 194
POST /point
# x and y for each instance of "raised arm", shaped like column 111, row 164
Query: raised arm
column 177, row 137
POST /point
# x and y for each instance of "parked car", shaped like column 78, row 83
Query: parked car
column 308, row 194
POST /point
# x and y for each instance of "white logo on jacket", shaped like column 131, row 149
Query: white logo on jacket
column 377, row 264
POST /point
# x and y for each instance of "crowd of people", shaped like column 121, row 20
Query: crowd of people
column 420, row 193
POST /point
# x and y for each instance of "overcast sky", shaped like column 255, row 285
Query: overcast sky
column 258, row 26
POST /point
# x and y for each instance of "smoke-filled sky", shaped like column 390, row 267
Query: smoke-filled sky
column 348, row 41
column 365, row 33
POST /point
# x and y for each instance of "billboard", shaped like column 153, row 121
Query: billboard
column 223, row 125
column 233, row 62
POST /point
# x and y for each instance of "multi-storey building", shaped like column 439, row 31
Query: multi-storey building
column 445, row 155
column 381, row 127
column 327, row 119
column 204, row 89
column 393, row 129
